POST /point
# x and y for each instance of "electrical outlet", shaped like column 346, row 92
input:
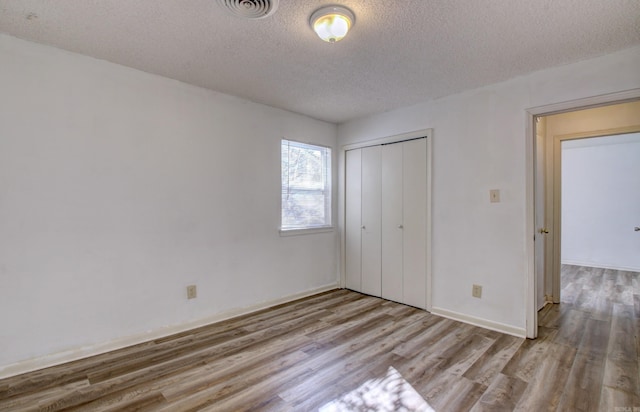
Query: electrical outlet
column 192, row 292
column 494, row 196
column 476, row 292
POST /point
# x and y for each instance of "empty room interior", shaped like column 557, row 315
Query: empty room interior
column 279, row 205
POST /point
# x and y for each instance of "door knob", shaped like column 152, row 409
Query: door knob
column 636, row 229
column 543, row 231
column 400, row 227
column 363, row 227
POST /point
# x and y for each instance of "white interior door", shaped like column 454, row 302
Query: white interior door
column 371, row 222
column 392, row 224
column 386, row 212
column 353, row 219
column 540, row 222
column 415, row 222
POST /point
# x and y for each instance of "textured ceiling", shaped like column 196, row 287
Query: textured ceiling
column 399, row 52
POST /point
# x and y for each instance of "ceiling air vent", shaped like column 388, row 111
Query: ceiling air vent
column 250, row 9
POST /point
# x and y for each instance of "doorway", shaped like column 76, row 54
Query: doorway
column 600, row 206
column 544, row 225
column 578, row 129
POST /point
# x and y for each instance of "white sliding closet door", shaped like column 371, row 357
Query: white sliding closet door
column 370, row 229
column 414, row 200
column 392, row 224
column 386, row 221
column 353, row 231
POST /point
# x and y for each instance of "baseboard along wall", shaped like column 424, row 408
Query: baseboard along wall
column 74, row 354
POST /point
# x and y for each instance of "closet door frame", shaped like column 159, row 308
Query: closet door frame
column 426, row 133
column 353, row 209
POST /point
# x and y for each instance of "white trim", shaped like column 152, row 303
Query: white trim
column 599, row 265
column 429, row 255
column 74, row 354
column 428, row 133
column 531, row 307
column 483, row 323
column 585, row 103
column 306, row 231
column 531, row 315
column 613, row 138
column 342, row 207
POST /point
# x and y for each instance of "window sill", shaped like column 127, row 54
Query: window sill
column 310, row 231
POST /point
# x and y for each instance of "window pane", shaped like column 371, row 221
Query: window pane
column 303, row 210
column 305, row 168
column 306, row 185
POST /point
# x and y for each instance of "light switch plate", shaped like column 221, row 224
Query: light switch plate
column 494, row 195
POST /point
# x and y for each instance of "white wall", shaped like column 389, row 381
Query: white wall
column 119, row 188
column 479, row 144
column 601, row 202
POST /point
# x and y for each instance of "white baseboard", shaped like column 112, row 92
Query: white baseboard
column 483, row 323
column 58, row 358
column 598, row 265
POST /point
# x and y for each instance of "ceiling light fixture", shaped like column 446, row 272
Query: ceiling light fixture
column 332, row 23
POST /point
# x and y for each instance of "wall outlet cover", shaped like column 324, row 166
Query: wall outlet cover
column 192, row 292
column 476, row 292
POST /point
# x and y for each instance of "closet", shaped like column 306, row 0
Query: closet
column 386, row 221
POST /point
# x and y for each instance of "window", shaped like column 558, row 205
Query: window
column 306, row 186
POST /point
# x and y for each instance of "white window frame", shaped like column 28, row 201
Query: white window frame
column 327, row 192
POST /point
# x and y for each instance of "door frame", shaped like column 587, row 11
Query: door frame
column 426, row 133
column 530, row 199
column 557, row 194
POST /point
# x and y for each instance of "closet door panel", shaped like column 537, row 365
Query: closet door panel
column 415, row 222
column 370, row 229
column 392, row 226
column 353, row 231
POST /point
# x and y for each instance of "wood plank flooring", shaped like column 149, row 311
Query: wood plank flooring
column 302, row 355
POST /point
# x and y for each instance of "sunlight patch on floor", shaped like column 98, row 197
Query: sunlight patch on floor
column 391, row 393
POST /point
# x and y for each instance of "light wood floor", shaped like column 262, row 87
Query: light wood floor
column 304, row 354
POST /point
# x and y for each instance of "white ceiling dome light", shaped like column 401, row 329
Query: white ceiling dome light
column 331, row 23
column 250, row 9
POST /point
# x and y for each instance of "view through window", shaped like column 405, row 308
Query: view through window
column 306, row 186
